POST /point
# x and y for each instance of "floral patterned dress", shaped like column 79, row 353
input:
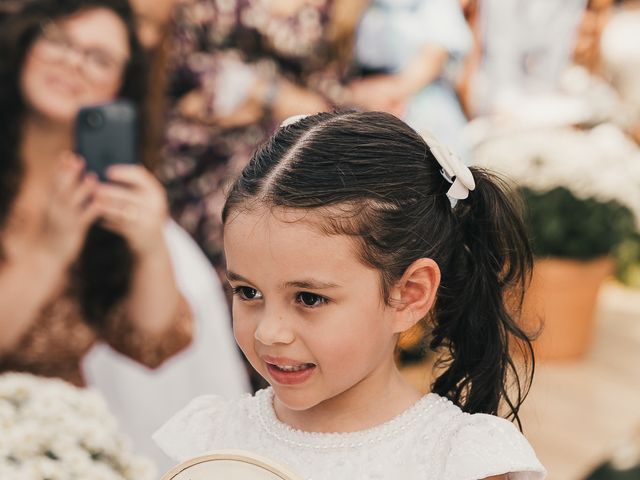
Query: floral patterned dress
column 219, row 48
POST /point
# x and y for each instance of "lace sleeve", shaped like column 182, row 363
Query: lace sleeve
column 191, row 431
column 123, row 336
column 485, row 445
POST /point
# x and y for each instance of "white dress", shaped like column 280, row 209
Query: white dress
column 433, row 439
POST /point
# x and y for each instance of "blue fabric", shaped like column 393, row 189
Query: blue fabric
column 392, row 33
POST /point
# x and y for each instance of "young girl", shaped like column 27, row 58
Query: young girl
column 339, row 235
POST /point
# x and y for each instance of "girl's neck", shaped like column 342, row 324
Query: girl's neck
column 42, row 143
column 373, row 401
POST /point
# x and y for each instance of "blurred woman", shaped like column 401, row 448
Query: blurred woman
column 81, row 261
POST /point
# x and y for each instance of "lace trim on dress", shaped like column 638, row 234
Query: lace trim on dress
column 325, row 441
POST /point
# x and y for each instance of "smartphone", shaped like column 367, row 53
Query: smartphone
column 106, row 134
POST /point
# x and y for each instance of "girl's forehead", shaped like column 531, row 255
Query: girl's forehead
column 279, row 248
column 262, row 218
column 276, row 225
column 284, row 235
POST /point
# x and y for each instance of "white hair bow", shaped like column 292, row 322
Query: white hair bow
column 453, row 170
column 293, row 119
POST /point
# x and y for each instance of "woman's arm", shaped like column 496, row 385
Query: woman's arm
column 153, row 322
column 391, row 92
column 425, row 67
column 36, row 260
column 26, row 285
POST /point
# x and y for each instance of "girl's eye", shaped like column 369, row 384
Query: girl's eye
column 247, row 293
column 311, row 299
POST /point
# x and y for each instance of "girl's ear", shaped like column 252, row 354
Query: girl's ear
column 415, row 293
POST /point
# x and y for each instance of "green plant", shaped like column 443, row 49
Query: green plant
column 628, row 261
column 563, row 225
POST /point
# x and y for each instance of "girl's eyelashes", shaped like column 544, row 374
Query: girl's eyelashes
column 306, row 299
column 247, row 293
column 311, row 300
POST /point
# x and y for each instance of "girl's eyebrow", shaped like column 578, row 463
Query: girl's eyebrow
column 310, row 284
column 234, row 277
column 306, row 283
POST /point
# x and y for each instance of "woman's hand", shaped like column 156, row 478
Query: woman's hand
column 68, row 213
column 292, row 99
column 380, row 92
column 133, row 204
column 42, row 240
column 288, row 99
column 391, row 93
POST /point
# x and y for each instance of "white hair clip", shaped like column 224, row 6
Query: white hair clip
column 453, row 170
column 293, row 119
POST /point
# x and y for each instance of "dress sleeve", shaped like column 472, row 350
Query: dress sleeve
column 191, row 431
column 123, row 336
column 484, row 445
column 445, row 25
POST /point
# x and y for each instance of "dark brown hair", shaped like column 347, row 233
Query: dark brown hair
column 375, row 178
column 101, row 274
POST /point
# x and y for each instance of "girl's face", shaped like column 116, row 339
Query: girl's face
column 307, row 313
column 76, row 61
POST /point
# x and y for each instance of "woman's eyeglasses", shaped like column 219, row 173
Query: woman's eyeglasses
column 97, row 64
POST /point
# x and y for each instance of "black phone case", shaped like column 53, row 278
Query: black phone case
column 106, row 135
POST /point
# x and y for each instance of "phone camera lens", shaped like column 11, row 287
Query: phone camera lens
column 94, row 119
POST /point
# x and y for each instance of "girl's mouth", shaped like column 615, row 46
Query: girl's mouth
column 290, row 374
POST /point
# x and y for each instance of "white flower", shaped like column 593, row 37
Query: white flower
column 601, row 163
column 53, row 430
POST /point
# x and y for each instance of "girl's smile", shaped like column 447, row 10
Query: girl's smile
column 288, row 372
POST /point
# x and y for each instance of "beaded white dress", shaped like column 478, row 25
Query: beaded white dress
column 432, row 440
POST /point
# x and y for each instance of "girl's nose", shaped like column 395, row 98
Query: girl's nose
column 273, row 330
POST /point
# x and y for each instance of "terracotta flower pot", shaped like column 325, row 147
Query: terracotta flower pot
column 563, row 296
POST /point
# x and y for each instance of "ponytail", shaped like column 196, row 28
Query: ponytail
column 479, row 302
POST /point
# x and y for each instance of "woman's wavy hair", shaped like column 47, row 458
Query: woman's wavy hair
column 101, row 276
column 371, row 176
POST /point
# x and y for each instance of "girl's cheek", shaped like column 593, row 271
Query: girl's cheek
column 243, row 330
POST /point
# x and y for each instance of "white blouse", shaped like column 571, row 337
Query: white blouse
column 433, row 439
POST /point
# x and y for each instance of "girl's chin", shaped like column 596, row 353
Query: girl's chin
column 296, row 401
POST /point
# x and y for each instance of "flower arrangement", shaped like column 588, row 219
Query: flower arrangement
column 581, row 187
column 55, row 431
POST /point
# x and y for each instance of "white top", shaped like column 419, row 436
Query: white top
column 433, row 439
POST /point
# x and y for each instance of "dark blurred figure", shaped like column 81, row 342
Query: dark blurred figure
column 7, row 7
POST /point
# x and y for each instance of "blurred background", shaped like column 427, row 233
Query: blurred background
column 546, row 92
